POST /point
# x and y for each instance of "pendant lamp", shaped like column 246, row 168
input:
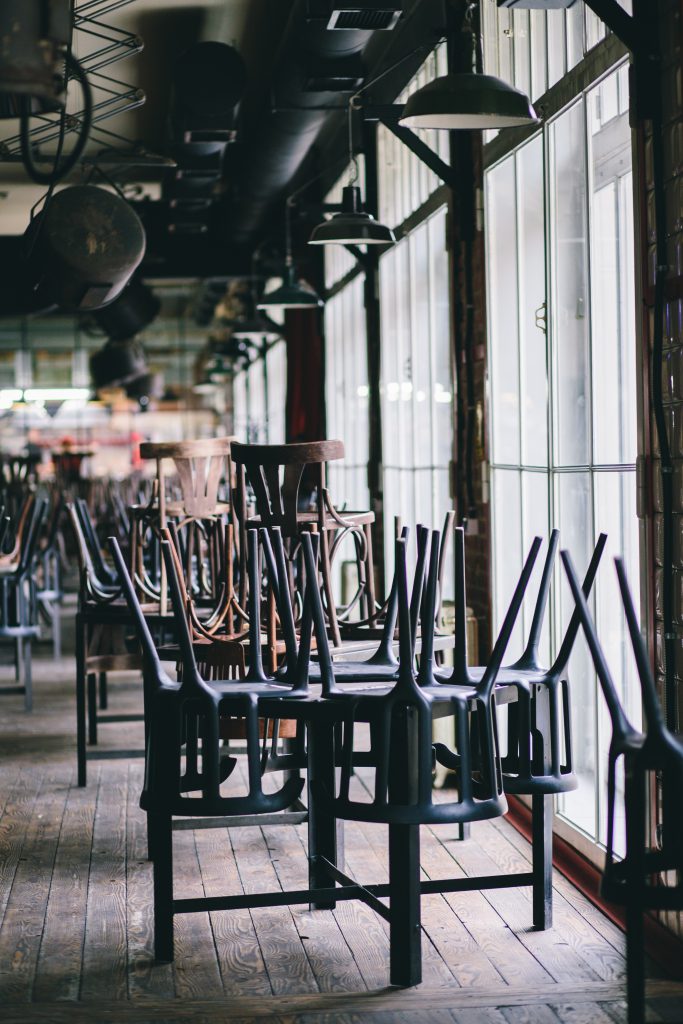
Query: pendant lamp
column 352, row 225
column 291, row 294
column 468, row 99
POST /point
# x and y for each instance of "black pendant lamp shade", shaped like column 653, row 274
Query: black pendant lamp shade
column 467, row 100
column 352, row 226
column 291, row 294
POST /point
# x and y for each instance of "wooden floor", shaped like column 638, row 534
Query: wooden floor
column 76, row 913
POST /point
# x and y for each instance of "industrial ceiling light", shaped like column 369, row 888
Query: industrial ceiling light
column 352, row 225
column 291, row 294
column 255, row 328
column 468, row 99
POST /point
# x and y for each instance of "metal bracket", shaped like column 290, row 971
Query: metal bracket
column 358, row 255
column 389, row 115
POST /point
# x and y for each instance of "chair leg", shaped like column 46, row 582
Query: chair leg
column 405, row 936
column 102, row 687
column 326, row 571
column 18, row 659
column 542, row 860
column 92, row 708
column 28, row 676
column 161, row 841
column 56, row 633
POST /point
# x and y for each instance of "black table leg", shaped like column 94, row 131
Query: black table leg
column 405, row 937
column 80, row 701
column 325, row 834
column 542, row 858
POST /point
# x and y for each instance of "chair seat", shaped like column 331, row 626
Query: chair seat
column 310, row 518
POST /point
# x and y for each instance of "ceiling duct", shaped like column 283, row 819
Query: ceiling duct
column 209, row 80
column 275, row 141
column 83, row 248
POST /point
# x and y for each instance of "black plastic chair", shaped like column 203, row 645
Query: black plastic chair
column 382, row 666
column 480, row 793
column 18, row 604
column 636, row 881
column 185, row 766
column 538, row 760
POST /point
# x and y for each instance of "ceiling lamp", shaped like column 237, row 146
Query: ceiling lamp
column 468, row 99
column 255, row 328
column 291, row 294
column 352, row 226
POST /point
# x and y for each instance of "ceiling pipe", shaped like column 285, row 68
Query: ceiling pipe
column 276, row 140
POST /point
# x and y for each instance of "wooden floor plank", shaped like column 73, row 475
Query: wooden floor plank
column 286, row 961
column 24, row 919
column 239, row 954
column 329, row 955
column 146, row 978
column 195, row 969
column 21, row 798
column 58, row 975
column 106, row 940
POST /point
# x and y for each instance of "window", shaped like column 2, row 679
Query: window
column 346, row 393
column 416, row 389
column 562, row 388
column 259, row 396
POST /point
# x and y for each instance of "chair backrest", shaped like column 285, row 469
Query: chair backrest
column 275, row 473
column 192, row 682
column 31, row 535
column 654, row 715
column 158, row 675
column 567, row 644
column 622, row 729
column 200, row 466
column 529, row 659
column 102, row 570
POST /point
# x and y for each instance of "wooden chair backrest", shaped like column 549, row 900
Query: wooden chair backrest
column 275, row 471
column 200, row 466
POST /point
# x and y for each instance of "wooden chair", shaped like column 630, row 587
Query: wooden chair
column 275, row 474
column 650, row 875
column 200, row 468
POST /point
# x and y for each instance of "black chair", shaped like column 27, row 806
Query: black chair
column 382, row 665
column 50, row 592
column 18, row 603
column 637, row 881
column 402, row 795
column 185, row 766
column 538, row 759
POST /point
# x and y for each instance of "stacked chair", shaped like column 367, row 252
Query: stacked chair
column 18, row 594
column 650, row 875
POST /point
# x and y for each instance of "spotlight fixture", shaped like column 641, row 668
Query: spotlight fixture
column 468, row 99
column 351, row 226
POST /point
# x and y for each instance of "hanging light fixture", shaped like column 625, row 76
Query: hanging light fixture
column 468, row 99
column 291, row 294
column 352, row 225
